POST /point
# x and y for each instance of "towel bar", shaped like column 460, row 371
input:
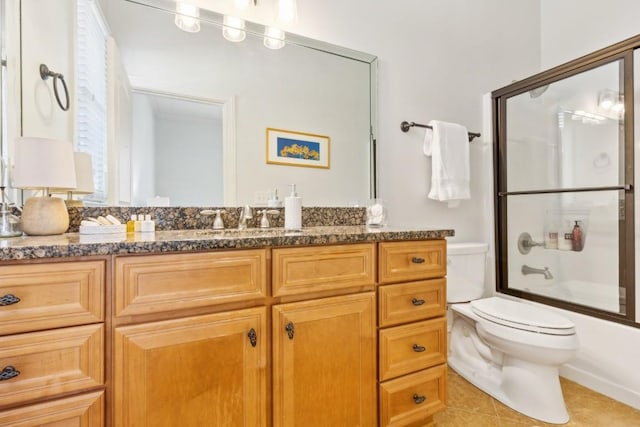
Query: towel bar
column 405, row 126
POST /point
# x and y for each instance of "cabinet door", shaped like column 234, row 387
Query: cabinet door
column 324, row 354
column 205, row 370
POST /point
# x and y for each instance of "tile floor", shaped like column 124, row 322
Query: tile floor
column 469, row 407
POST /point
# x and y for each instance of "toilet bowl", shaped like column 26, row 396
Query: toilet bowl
column 509, row 349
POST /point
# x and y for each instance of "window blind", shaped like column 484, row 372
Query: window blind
column 91, row 90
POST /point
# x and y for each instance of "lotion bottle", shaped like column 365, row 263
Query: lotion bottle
column 293, row 210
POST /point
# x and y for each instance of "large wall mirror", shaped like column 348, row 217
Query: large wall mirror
column 187, row 113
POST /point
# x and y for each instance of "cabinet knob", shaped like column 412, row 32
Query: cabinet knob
column 416, row 301
column 418, row 399
column 9, row 299
column 253, row 337
column 8, row 372
column 417, row 260
column 289, row 328
column 418, row 348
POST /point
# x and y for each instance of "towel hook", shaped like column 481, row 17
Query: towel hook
column 45, row 73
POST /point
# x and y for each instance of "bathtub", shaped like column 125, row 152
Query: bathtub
column 590, row 294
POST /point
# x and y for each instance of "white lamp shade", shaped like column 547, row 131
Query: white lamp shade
column 84, row 173
column 43, row 163
column 187, row 17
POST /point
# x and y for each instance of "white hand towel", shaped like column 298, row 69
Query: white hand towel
column 448, row 146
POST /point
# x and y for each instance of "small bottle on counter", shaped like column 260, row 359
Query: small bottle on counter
column 131, row 224
column 147, row 225
column 137, row 223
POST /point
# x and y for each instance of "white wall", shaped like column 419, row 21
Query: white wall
column 573, row 28
column 54, row 22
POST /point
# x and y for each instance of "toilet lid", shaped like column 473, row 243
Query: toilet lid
column 522, row 316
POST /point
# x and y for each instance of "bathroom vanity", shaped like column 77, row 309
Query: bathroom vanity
column 328, row 326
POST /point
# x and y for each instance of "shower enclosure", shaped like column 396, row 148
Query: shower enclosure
column 564, row 185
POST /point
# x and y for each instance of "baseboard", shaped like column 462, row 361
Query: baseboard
column 601, row 385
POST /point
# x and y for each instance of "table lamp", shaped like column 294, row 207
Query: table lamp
column 40, row 164
column 84, row 179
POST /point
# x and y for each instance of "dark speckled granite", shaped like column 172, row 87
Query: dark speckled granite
column 74, row 244
column 190, row 218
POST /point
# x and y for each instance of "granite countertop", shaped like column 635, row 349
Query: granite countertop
column 75, row 244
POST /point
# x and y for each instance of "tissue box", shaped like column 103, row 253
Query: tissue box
column 103, row 229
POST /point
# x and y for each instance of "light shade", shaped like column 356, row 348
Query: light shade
column 43, row 163
column 287, row 11
column 273, row 38
column 233, row 29
column 84, row 173
column 187, row 17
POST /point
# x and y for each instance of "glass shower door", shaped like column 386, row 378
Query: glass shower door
column 563, row 189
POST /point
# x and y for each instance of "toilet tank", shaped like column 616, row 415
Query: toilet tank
column 465, row 271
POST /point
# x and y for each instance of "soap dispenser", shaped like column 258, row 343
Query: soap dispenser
column 293, row 210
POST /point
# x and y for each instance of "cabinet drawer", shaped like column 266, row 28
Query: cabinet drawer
column 52, row 295
column 404, row 261
column 407, row 302
column 52, row 362
column 412, row 347
column 413, row 398
column 85, row 410
column 322, row 268
column 159, row 283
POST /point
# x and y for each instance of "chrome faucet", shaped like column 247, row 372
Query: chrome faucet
column 544, row 271
column 245, row 214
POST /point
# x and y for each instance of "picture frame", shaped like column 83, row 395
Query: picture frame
column 293, row 148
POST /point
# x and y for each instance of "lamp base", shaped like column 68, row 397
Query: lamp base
column 44, row 216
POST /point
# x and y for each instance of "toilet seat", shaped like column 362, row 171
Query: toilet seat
column 522, row 316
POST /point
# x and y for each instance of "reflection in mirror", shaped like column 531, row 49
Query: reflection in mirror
column 307, row 86
column 565, row 185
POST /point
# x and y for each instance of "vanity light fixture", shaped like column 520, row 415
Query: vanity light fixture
column 241, row 4
column 187, row 17
column 233, row 29
column 609, row 100
column 287, row 11
column 40, row 164
column 273, row 37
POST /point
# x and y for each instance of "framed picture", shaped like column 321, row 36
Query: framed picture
column 285, row 147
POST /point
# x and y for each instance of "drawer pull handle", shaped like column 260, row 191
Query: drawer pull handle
column 289, row 328
column 417, row 260
column 416, row 301
column 9, row 299
column 8, row 372
column 418, row 348
column 418, row 399
column 253, row 337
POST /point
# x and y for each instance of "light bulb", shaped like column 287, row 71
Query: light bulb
column 273, row 38
column 241, row 4
column 187, row 17
column 287, row 11
column 233, row 29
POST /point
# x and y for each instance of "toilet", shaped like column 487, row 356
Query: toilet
column 509, row 349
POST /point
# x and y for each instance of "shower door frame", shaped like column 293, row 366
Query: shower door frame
column 623, row 51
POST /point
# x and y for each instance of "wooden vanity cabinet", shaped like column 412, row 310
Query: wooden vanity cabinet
column 196, row 368
column 52, row 338
column 412, row 332
column 324, row 347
